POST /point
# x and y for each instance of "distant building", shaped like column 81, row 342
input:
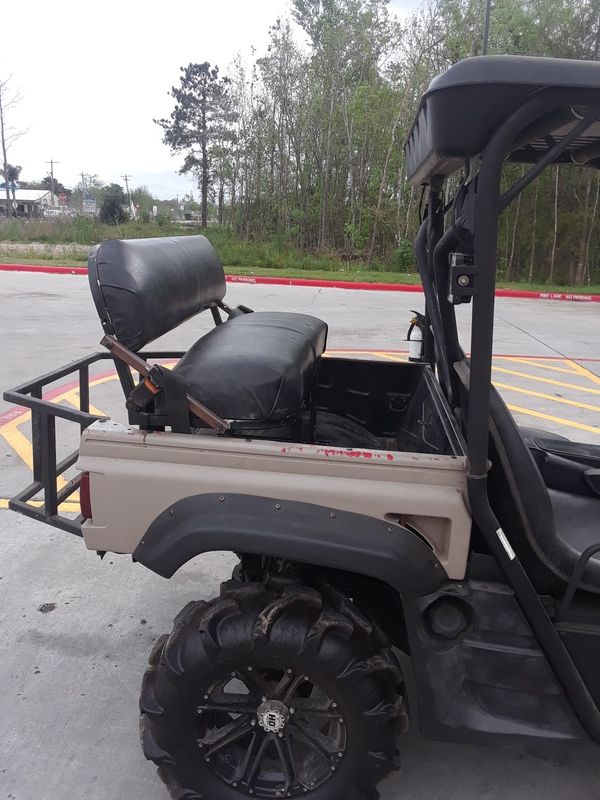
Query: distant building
column 29, row 202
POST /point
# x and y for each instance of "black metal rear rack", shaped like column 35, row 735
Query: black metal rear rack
column 46, row 469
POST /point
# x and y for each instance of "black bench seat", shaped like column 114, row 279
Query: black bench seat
column 257, row 366
column 253, row 367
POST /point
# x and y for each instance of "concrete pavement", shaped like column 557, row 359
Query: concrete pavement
column 70, row 673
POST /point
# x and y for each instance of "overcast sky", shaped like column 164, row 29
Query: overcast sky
column 94, row 75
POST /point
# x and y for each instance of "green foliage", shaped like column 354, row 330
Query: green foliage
column 83, row 230
column 163, row 220
column 11, row 173
column 403, row 259
column 200, row 125
column 112, row 212
column 57, row 186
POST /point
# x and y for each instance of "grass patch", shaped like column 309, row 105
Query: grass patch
column 368, row 276
column 270, row 259
column 49, row 261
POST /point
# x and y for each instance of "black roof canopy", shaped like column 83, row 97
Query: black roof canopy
column 464, row 106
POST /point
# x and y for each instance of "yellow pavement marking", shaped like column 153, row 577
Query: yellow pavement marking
column 581, row 370
column 530, row 362
column 538, row 379
column 71, row 508
column 22, row 447
column 559, row 420
column 390, row 357
column 20, row 444
column 544, row 396
column 20, row 420
column 73, row 399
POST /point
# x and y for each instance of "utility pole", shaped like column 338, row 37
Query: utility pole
column 52, row 163
column 131, row 208
column 82, row 189
column 126, row 179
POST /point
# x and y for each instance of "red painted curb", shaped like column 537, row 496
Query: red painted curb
column 327, row 284
column 324, row 284
column 402, row 287
column 51, row 269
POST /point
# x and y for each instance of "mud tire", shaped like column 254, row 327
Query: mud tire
column 320, row 633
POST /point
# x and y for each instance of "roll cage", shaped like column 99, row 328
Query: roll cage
column 480, row 114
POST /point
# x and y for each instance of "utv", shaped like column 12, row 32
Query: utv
column 372, row 505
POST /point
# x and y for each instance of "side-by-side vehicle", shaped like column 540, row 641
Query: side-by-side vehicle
column 374, row 507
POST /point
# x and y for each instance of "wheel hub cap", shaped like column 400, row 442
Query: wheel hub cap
column 272, row 716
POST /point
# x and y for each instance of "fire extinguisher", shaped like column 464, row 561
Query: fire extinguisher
column 415, row 336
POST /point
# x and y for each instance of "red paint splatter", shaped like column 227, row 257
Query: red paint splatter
column 332, row 452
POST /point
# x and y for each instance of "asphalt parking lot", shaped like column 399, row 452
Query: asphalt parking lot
column 68, row 726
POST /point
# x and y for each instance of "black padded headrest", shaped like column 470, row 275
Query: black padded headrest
column 143, row 288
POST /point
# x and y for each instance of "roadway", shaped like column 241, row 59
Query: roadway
column 69, row 721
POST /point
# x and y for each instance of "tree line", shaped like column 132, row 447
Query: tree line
column 304, row 146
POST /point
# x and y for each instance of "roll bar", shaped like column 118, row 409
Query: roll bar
column 475, row 375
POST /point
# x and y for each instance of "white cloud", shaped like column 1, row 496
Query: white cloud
column 93, row 75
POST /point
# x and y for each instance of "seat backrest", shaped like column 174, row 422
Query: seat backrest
column 519, row 496
column 143, row 288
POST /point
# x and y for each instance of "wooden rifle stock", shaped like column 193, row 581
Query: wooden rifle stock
column 139, row 365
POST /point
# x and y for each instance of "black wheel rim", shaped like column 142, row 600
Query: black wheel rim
column 270, row 732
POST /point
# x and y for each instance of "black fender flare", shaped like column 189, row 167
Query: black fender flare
column 303, row 532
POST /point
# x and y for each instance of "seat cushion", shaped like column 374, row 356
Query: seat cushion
column 578, row 452
column 577, row 523
column 256, row 367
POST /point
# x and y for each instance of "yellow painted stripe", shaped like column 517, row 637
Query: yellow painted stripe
column 66, row 508
column 20, row 444
column 73, row 399
column 537, row 363
column 18, row 421
column 538, row 379
column 544, row 396
column 390, row 357
column 568, row 423
column 581, row 370
column 22, row 447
